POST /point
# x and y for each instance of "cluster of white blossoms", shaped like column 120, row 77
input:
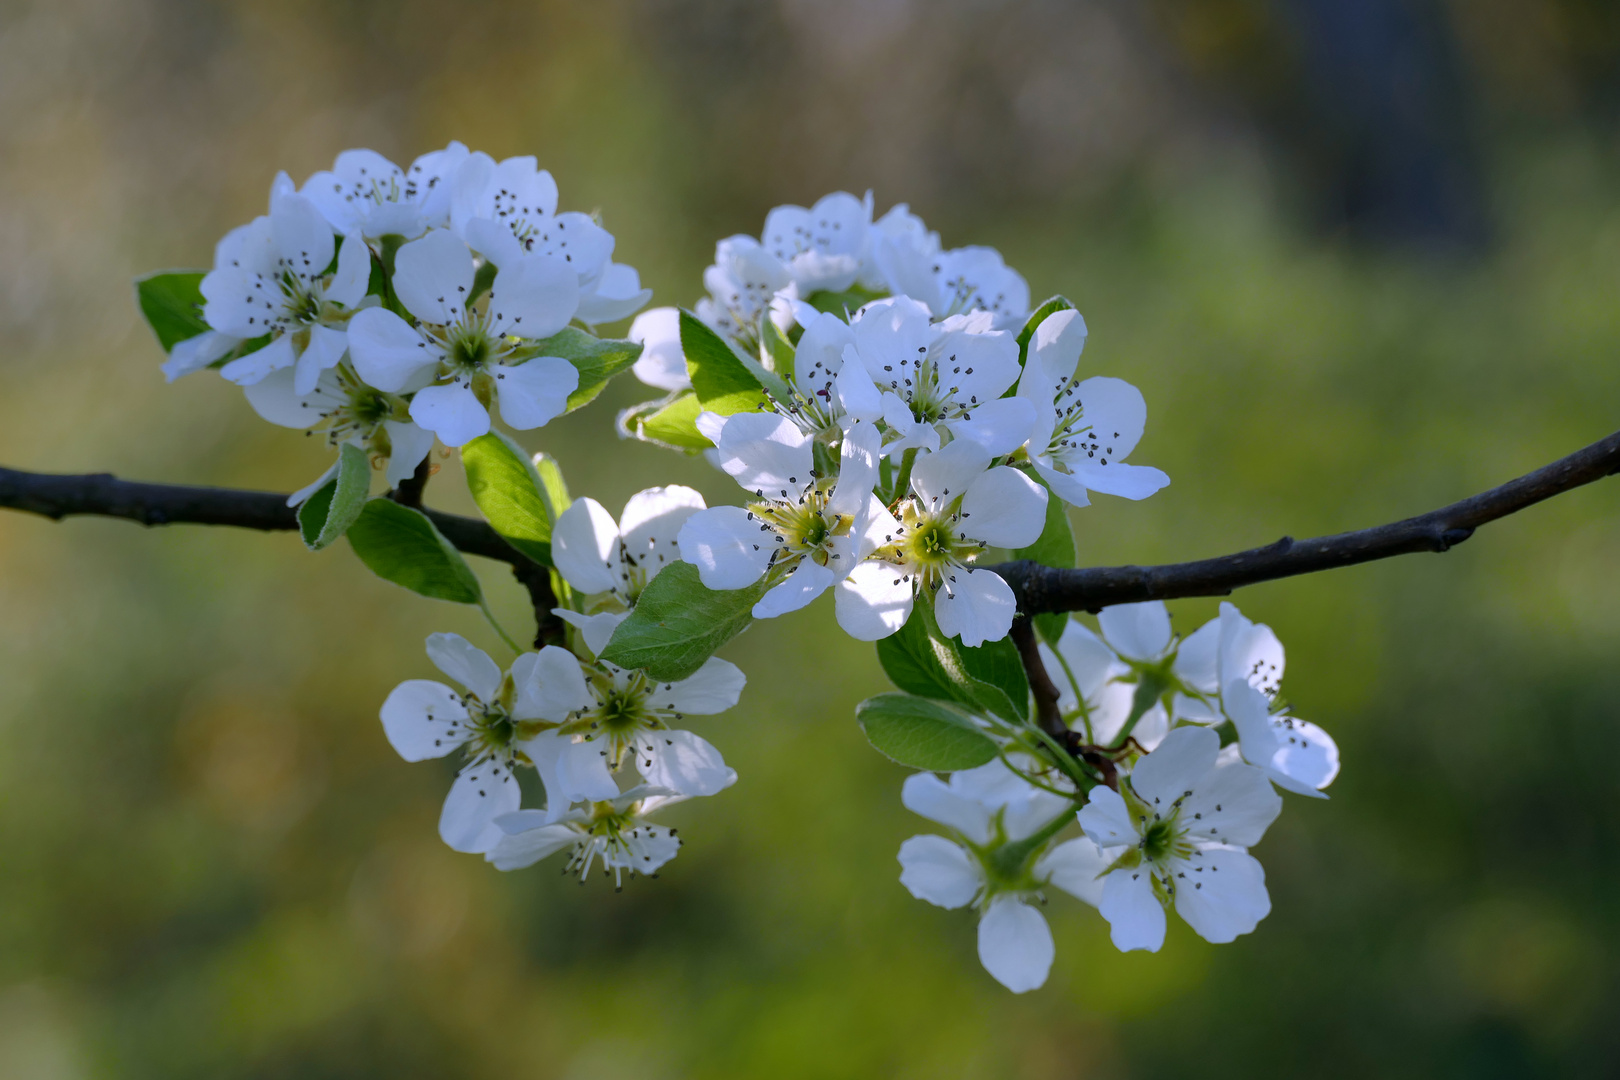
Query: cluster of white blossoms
column 1190, row 736
column 893, row 412
column 385, row 307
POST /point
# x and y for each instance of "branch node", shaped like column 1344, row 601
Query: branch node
column 1452, row 537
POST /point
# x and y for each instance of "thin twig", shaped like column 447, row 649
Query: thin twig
column 1042, row 589
column 409, row 491
column 1047, row 712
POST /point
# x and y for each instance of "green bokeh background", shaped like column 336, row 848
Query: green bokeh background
column 212, row 864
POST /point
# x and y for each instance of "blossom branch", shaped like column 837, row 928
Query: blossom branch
column 1042, row 589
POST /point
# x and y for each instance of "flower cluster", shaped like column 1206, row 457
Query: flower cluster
column 893, row 414
column 385, row 307
column 1186, row 739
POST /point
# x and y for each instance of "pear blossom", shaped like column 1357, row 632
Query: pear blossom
column 461, row 358
column 940, row 381
column 997, row 861
column 425, row 719
column 961, row 507
column 662, row 363
column 600, row 716
column 1084, row 428
column 508, row 211
column 828, row 394
column 344, row 409
column 823, row 247
column 741, row 283
column 907, row 259
column 614, row 830
column 198, row 352
column 616, row 560
column 1177, row 832
column 1295, row 754
column 805, row 531
column 900, row 242
column 271, row 277
column 1229, row 646
column 1096, row 690
column 364, row 192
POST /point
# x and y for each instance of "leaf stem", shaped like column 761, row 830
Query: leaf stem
column 489, row 616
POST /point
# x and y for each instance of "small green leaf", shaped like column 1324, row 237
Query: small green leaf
column 921, row 660
column 172, row 304
column 553, row 489
column 327, row 514
column 721, row 379
column 1055, row 547
column 598, row 360
column 777, row 347
column 670, row 422
column 678, row 623
column 1038, row 316
column 922, row 734
column 843, row 304
column 401, row 545
column 507, row 489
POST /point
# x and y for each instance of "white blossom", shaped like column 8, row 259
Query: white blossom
column 743, row 279
column 365, row 192
column 940, row 381
column 461, row 358
column 1084, row 428
column 597, row 555
column 600, row 716
column 990, row 808
column 662, row 363
column 271, row 277
column 1096, row 689
column 1178, row 832
column 614, row 830
column 425, row 719
column 961, row 507
column 829, row 395
column 824, row 247
column 900, row 244
column 906, row 258
column 805, row 531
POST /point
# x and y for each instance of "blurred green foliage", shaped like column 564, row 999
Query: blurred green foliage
column 211, row 863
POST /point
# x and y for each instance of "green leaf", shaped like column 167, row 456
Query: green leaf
column 921, row 660
column 721, row 379
column 670, row 422
column 172, row 304
column 1038, row 316
column 598, row 360
column 921, row 734
column 678, row 623
column 1055, row 547
column 777, row 347
column 843, row 304
column 553, row 489
column 401, row 545
column 327, row 514
column 507, row 489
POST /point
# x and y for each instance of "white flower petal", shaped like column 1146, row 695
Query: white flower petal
column 196, row 353
column 661, row 364
column 1197, row 658
column 1250, row 713
column 652, row 521
column 1118, row 478
column 819, row 355
column 255, row 366
column 1000, row 426
column 976, row 605
column 569, row 770
column 597, row 630
column 585, row 547
column 713, row 688
column 1135, row 916
column 273, row 398
column 433, row 277
column 766, row 453
column 939, row 871
column 409, row 445
column 548, row 685
column 1057, row 344
column 1307, row 758
column 467, row 664
column 1107, row 820
column 1075, row 866
column 326, row 347
column 387, row 353
column 928, row 795
column 941, row 476
column 452, row 412
column 482, row 792
column 534, row 393
column 1181, row 764
column 857, row 469
column 727, row 546
column 348, row 285
column 1233, row 804
column 495, row 241
column 1221, row 893
column 303, row 235
column 1066, row 486
column 873, row 601
column 683, row 763
column 1003, row 507
column 1116, row 413
column 423, row 719
column 1015, row 944
column 617, row 295
column 1137, row 631
column 514, row 851
column 534, row 299
column 807, row 581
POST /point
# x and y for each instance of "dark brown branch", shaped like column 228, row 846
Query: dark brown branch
column 1047, row 712
column 1042, row 588
column 57, row 496
column 409, row 491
